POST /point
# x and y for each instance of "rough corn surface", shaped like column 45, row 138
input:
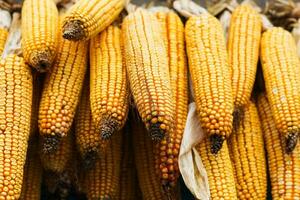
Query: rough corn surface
column 31, row 187
column 88, row 140
column 15, row 112
column 88, row 18
column 280, row 65
column 168, row 148
column 109, row 84
column 39, row 33
column 219, row 171
column 243, row 52
column 246, row 148
column 210, row 77
column 61, row 93
column 284, row 169
column 145, row 162
column 102, row 182
column 148, row 71
column 3, row 37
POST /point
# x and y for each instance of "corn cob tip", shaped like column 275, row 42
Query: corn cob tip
column 73, row 30
column 50, row 143
column 238, row 115
column 40, row 61
column 155, row 132
column 89, row 159
column 108, row 127
column 216, row 143
column 291, row 142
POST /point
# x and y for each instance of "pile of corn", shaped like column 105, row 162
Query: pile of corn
column 95, row 101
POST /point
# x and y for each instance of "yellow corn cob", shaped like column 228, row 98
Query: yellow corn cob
column 88, row 18
column 128, row 178
column 3, row 37
column 102, row 182
column 88, row 139
column 145, row 164
column 109, row 87
column 148, row 72
column 246, row 148
column 31, row 188
column 61, row 93
column 243, row 51
column 279, row 61
column 284, row 169
column 210, row 77
column 219, row 171
column 57, row 161
column 15, row 111
column 168, row 148
column 39, row 33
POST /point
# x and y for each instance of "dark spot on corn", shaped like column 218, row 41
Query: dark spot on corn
column 216, row 143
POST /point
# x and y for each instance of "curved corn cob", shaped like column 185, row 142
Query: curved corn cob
column 39, row 33
column 88, row 18
column 246, row 148
column 102, row 182
column 243, row 51
column 145, row 164
column 168, row 148
column 148, row 72
column 15, row 111
column 31, row 188
column 284, row 169
column 219, row 171
column 57, row 161
column 210, row 77
column 3, row 37
column 61, row 93
column 109, row 87
column 280, row 71
column 88, row 140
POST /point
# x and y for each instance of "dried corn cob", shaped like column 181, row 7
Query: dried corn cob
column 31, row 188
column 243, row 51
column 57, row 161
column 102, row 182
column 61, row 93
column 145, row 163
column 148, row 72
column 284, row 169
column 15, row 111
column 109, row 87
column 39, row 33
column 5, row 23
column 219, row 171
column 168, row 148
column 88, row 18
column 279, row 61
column 88, row 139
column 246, row 148
column 3, row 37
column 210, row 77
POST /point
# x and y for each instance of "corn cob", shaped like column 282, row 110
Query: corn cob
column 148, row 72
column 102, row 182
column 61, row 93
column 39, row 33
column 88, row 18
column 210, row 77
column 243, row 51
column 145, row 163
column 109, row 87
column 31, row 188
column 57, row 161
column 88, row 141
column 168, row 148
column 5, row 23
column 15, row 111
column 219, row 171
column 3, row 37
column 279, row 61
column 246, row 148
column 284, row 169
